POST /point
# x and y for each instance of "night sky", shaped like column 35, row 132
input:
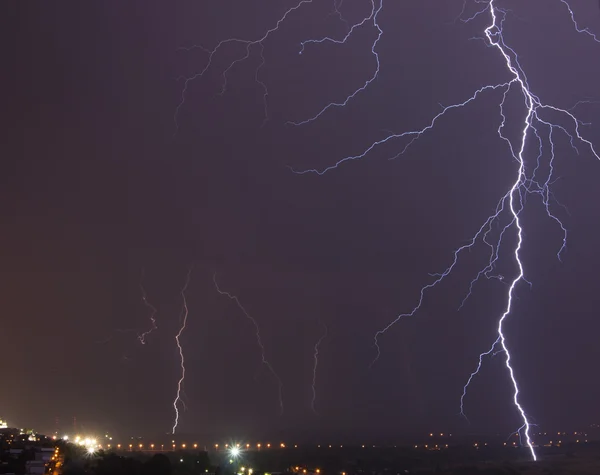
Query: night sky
column 98, row 183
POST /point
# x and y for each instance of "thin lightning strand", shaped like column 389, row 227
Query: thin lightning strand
column 337, row 7
column 316, row 364
column 263, row 357
column 376, row 8
column 509, row 207
column 577, row 27
column 142, row 337
column 178, row 399
column 249, row 44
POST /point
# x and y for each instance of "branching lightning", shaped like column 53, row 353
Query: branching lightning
column 376, row 8
column 577, row 27
column 178, row 400
column 316, row 364
column 534, row 175
column 142, row 337
column 249, row 44
column 263, row 357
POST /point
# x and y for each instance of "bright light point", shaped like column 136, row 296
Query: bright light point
column 235, row 452
column 91, row 450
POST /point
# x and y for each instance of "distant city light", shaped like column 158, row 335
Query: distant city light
column 234, row 452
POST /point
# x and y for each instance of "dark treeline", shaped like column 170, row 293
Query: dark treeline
column 347, row 461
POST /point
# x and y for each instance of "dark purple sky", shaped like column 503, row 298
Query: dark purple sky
column 95, row 186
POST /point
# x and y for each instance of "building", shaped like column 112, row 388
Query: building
column 3, row 424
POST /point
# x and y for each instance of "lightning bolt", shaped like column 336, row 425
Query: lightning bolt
column 513, row 201
column 185, row 309
column 371, row 19
column 249, row 44
column 316, row 364
column 263, row 357
column 577, row 27
column 538, row 126
column 153, row 326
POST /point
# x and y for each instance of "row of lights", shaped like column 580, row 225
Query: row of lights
column 92, row 443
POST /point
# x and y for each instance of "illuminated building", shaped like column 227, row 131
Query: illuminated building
column 3, row 424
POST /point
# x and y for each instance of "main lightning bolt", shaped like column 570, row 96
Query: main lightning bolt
column 263, row 357
column 184, row 319
column 316, row 364
column 153, row 326
column 536, row 127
